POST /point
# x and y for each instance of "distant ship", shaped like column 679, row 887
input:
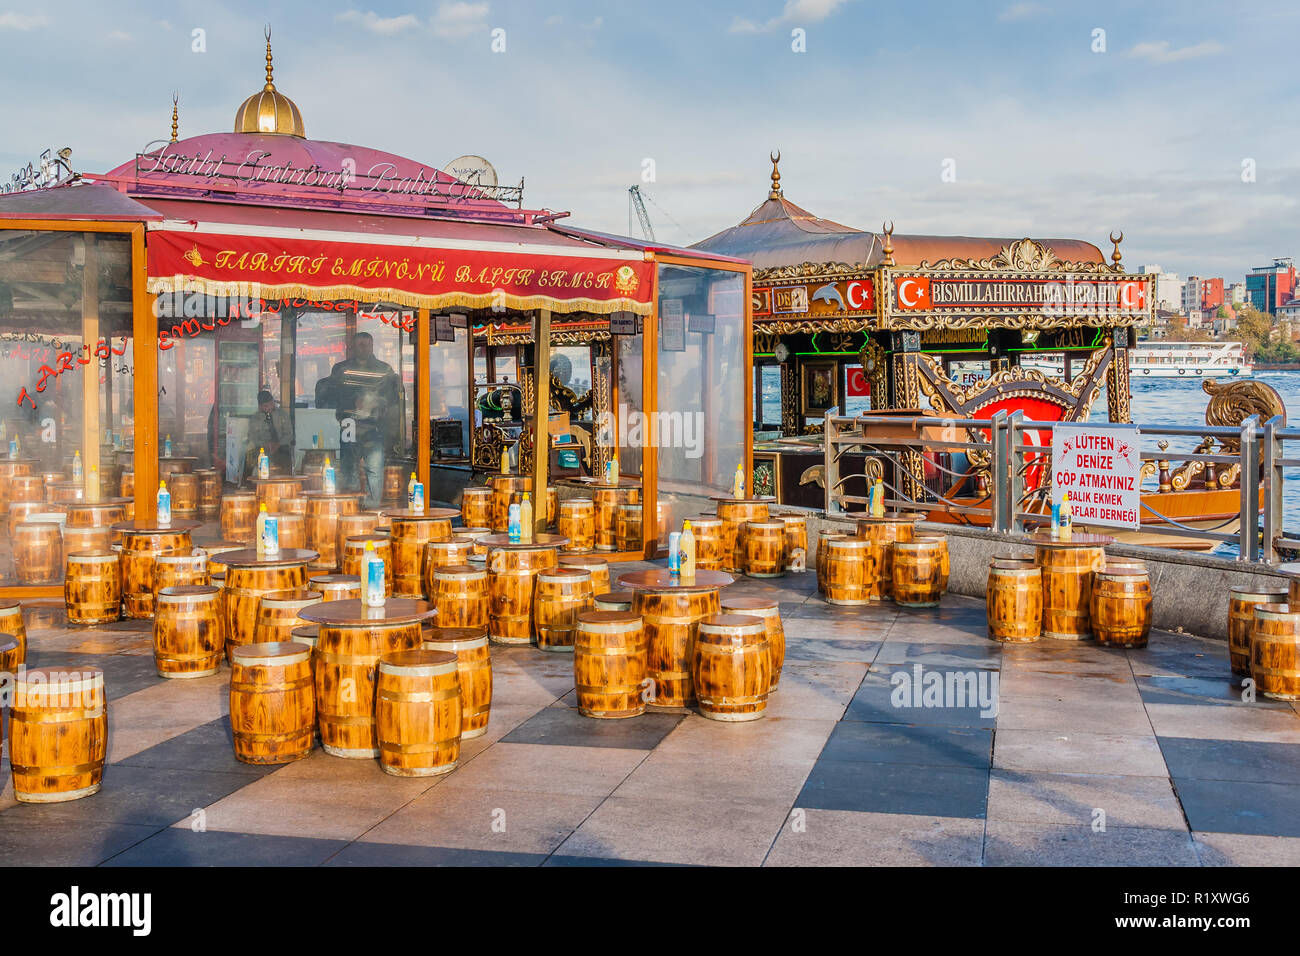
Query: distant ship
column 1187, row 360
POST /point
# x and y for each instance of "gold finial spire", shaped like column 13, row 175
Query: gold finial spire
column 776, row 176
column 268, row 110
column 1115, row 256
column 888, row 228
column 176, row 116
column 270, row 84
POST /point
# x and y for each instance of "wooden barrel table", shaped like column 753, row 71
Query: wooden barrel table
column 188, row 636
column 512, row 576
column 360, row 523
column 64, row 492
column 395, row 480
column 707, row 532
column 1013, row 601
column 249, row 578
column 58, row 733
column 733, row 513
column 352, row 639
column 610, row 656
column 354, row 549
column 294, row 506
column 1275, row 651
column 336, row 587
column 142, row 543
column 86, row 539
column 460, row 593
column 20, row 511
column 443, row 554
column 411, row 532
column 175, row 465
column 577, row 522
column 239, row 516
column 272, row 703
column 920, row 571
column 1068, row 568
column 476, row 507
column 180, row 570
column 882, row 531
column 92, row 587
column 762, row 548
column 503, row 486
column 185, row 494
column 1242, row 602
column 474, row 670
column 769, row 612
column 209, row 491
column 270, row 491
column 279, row 613
column 731, row 667
column 796, row 540
column 851, row 570
column 26, row 488
column 671, row 612
column 598, row 566
column 607, row 498
column 12, row 623
column 562, row 594
column 1121, row 607
column 38, row 552
column 323, row 524
column 96, row 514
column 612, row 601
column 418, row 713
column 291, row 528
column 627, row 527
column 10, row 467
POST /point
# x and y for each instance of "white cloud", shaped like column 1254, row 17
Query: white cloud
column 458, row 19
column 384, row 26
column 796, row 12
column 22, row 21
column 1020, row 11
column 120, row 35
column 1163, row 52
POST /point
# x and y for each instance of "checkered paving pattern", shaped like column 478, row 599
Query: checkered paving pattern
column 1094, row 756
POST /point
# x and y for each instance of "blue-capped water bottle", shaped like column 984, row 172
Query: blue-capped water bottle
column 164, row 505
column 674, row 552
column 263, row 464
column 329, row 483
column 372, row 576
column 1056, row 519
column 514, row 526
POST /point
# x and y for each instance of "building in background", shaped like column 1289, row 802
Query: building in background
column 1169, row 295
column 1190, row 296
column 1235, row 294
column 1269, row 287
column 1211, row 294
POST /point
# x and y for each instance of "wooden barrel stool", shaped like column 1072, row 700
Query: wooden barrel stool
column 26, row 488
column 1012, row 561
column 512, row 574
column 38, row 552
column 296, row 505
column 355, row 547
column 671, row 621
column 707, row 532
column 271, row 491
column 86, row 539
column 578, row 523
column 823, row 552
column 920, row 571
column 185, row 494
column 347, row 659
column 58, row 733
column 503, row 486
column 410, row 538
column 732, row 667
column 94, row 514
column 127, row 487
column 291, row 528
column 769, row 612
column 20, row 511
column 851, row 570
column 359, row 523
column 277, row 614
column 1067, row 590
column 209, row 491
column 473, row 669
column 418, row 713
column 733, row 514
column 188, row 637
column 92, row 587
column 610, row 655
column 552, row 506
column 627, row 527
column 394, row 484
column 180, row 570
column 478, row 550
column 460, row 593
column 1013, row 601
column 476, row 507
column 762, row 547
column 1242, row 602
column 61, row 492
column 882, row 532
column 323, row 512
column 336, row 587
column 246, row 585
column 612, row 601
column 444, row 554
column 11, row 655
column 796, row 540
column 1275, row 651
column 1121, row 607
column 562, row 594
column 11, row 623
column 598, row 567
column 606, row 502
column 239, row 516
column 272, row 705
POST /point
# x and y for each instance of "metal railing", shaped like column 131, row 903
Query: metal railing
column 996, row 472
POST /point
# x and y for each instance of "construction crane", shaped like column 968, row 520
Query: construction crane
column 637, row 204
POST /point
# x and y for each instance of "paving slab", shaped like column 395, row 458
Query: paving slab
column 389, row 854
column 951, row 791
column 1075, row 798
column 1225, row 723
column 1241, row 849
column 186, row 847
column 542, row 768
column 564, row 726
column 1256, row 761
column 845, row 838
column 924, row 744
column 1239, row 806
column 887, row 695
column 1053, row 751
column 1026, row 844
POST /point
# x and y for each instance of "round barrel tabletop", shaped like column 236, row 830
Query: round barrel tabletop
column 153, row 527
column 892, row 517
column 539, row 541
column 727, row 499
column 659, row 579
column 249, row 558
column 331, row 495
column 495, row 478
column 102, row 503
column 178, row 458
column 1043, row 539
column 355, row 613
column 430, row 514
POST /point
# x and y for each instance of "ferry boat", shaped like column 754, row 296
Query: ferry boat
column 1185, row 360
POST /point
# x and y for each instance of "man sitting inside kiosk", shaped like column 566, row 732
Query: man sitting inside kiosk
column 366, row 395
column 269, row 427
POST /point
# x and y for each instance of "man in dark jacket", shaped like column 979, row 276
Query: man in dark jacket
column 366, row 396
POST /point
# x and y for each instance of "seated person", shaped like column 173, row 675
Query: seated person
column 269, row 427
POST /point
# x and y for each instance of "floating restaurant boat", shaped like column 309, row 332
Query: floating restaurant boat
column 954, row 327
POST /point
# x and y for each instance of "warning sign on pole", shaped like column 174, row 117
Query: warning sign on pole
column 1100, row 467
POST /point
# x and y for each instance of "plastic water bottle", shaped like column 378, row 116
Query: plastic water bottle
column 164, row 505
column 674, row 552
column 13, row 448
column 513, row 525
column 76, row 466
column 167, row 447
column 372, row 576
column 328, row 481
column 268, row 532
column 263, row 464
column 417, row 498
column 1056, row 519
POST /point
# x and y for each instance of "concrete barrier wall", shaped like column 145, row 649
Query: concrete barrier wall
column 1189, row 589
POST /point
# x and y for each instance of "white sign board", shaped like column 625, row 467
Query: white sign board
column 236, row 439
column 1100, row 467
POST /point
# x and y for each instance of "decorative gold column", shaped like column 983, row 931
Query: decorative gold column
column 1118, row 387
column 791, row 419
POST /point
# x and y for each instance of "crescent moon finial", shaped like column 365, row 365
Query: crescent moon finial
column 888, row 226
column 775, row 191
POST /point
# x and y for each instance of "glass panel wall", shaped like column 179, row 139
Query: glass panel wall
column 628, row 404
column 700, row 423
column 449, row 398
column 66, row 426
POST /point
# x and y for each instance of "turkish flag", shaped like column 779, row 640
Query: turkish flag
column 913, row 292
column 1132, row 295
column 858, row 386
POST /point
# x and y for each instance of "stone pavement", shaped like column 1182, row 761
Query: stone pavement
column 1094, row 756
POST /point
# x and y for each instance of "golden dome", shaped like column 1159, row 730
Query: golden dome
column 269, row 110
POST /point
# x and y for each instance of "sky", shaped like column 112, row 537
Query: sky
column 1169, row 121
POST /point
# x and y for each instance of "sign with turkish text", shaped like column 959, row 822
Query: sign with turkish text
column 1100, row 466
column 817, row 299
column 1065, row 294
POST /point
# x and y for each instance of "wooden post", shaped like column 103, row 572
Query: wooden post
column 541, row 416
column 423, row 435
column 145, row 332
column 90, row 382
